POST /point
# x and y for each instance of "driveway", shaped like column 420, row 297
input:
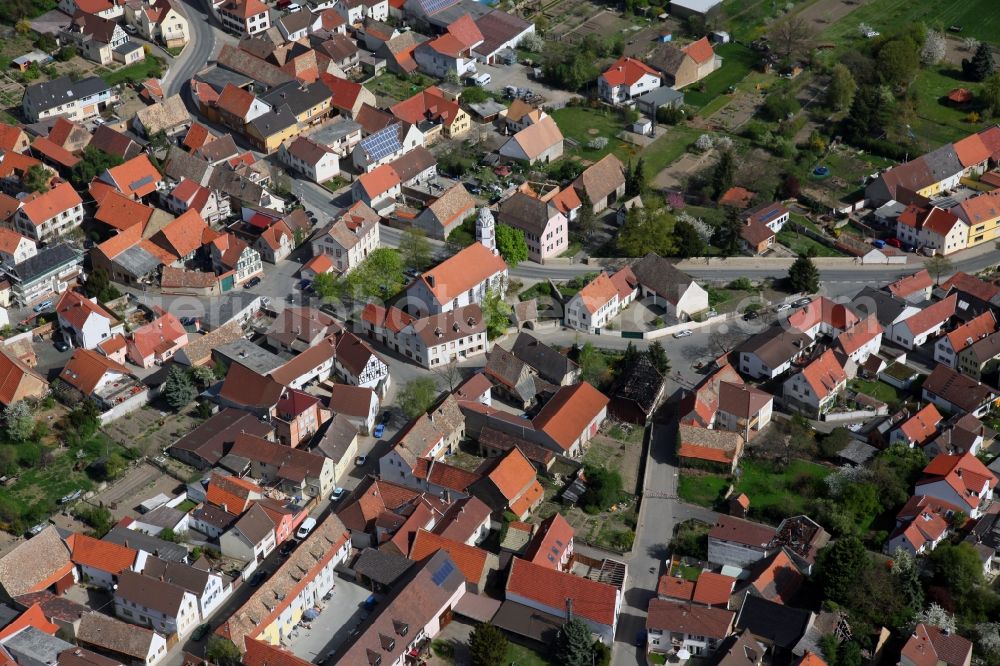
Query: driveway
column 339, row 617
column 518, row 76
column 659, row 514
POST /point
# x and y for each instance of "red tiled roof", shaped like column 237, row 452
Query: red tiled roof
column 75, row 308
column 822, row 310
column 462, row 271
column 737, row 197
column 691, row 619
column 102, row 555
column 85, row 369
column 121, row 212
column 929, row 646
column 554, row 538
column 713, row 589
column 966, row 474
column 137, row 177
column 43, row 206
column 628, row 71
column 971, row 150
column 778, row 579
column 825, row 374
column 675, row 587
column 565, row 416
column 379, row 180
column 512, row 473
column 470, row 560
column 262, row 653
column 164, row 332
column 548, row 587
column 232, row 492
column 920, row 427
column 931, row 316
column 911, row 284
column 859, row 335
column 700, row 51
column 56, row 153
column 971, row 285
column 975, row 329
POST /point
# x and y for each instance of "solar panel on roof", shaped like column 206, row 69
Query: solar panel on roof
column 382, row 143
column 442, row 573
column 434, row 6
column 770, row 214
column 145, row 180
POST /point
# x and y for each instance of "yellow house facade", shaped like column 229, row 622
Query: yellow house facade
column 982, row 214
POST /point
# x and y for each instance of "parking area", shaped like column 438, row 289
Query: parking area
column 517, row 76
column 339, row 618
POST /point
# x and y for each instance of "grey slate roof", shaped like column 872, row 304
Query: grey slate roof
column 50, row 94
column 547, row 362
column 382, row 566
column 661, row 96
column 250, row 355
column 337, row 437
column 299, row 98
column 525, row 212
column 943, row 162
column 34, row 646
column 885, row 307
column 656, row 273
column 137, row 261
column 274, row 121
column 332, row 133
column 166, row 550
column 218, row 78
column 45, row 261
column 782, row 625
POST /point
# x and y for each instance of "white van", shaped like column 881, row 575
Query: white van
column 305, row 528
column 482, row 80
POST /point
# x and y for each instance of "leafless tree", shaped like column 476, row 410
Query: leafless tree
column 451, row 374
column 792, row 36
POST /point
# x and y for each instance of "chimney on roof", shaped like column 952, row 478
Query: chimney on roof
column 430, row 279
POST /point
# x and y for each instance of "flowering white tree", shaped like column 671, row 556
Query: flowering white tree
column 970, row 43
column 704, row 229
column 936, row 616
column 703, row 143
column 988, row 634
column 597, row 143
column 934, row 49
column 724, row 143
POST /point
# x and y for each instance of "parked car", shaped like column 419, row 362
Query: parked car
column 200, row 632
column 683, row 334
column 286, row 548
column 895, row 242
column 257, row 579
column 801, row 302
column 305, row 528
column 750, row 315
column 130, row 29
column 44, row 305
column 379, row 430
column 338, row 492
column 781, row 307
column 386, row 416
column 251, row 283
column 360, row 461
column 61, row 345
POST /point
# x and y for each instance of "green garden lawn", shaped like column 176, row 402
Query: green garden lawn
column 737, row 62
column 701, row 489
column 768, row 488
column 977, row 18
column 583, row 124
